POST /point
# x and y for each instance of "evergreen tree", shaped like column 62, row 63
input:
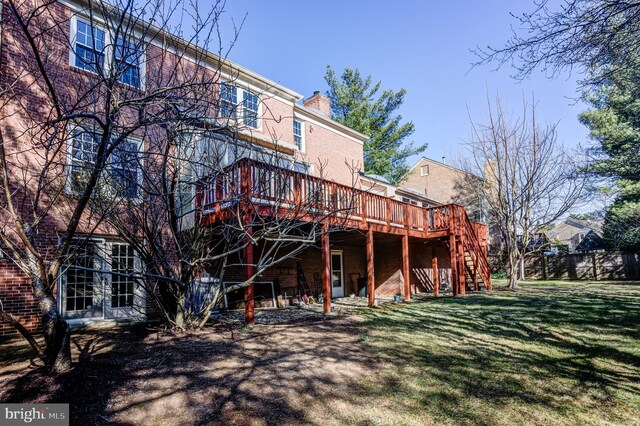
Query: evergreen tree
column 355, row 102
column 614, row 123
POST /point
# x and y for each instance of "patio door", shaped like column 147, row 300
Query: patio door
column 82, row 283
column 337, row 274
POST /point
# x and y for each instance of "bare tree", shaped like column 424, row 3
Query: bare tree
column 69, row 107
column 593, row 37
column 530, row 180
column 208, row 196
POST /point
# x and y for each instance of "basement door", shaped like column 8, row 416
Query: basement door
column 337, row 274
column 98, row 281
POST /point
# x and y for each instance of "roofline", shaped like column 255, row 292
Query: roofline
column 360, row 137
column 442, row 164
column 224, row 64
column 423, row 197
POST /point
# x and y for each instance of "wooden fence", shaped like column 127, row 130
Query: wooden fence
column 579, row 266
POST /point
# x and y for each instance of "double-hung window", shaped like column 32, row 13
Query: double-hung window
column 89, row 46
column 228, row 100
column 84, row 148
column 128, row 59
column 125, row 171
column 122, row 174
column 297, row 134
column 92, row 47
column 250, row 109
column 239, row 104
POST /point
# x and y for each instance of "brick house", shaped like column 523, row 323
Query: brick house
column 396, row 240
column 445, row 184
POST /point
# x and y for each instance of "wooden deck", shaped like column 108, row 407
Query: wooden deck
column 274, row 191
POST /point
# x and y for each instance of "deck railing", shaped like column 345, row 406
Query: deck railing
column 284, row 189
column 275, row 185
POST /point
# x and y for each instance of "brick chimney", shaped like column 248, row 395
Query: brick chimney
column 319, row 102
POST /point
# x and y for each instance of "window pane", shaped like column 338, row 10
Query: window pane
column 124, row 170
column 80, row 277
column 127, row 55
column 228, row 100
column 122, row 280
column 84, row 148
column 89, row 46
column 297, row 133
column 250, row 108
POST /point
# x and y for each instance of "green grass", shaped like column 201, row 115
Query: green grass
column 548, row 353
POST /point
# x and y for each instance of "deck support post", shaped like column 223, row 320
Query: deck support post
column 462, row 282
column 326, row 270
column 454, row 261
column 436, row 277
column 249, row 272
column 371, row 286
column 405, row 267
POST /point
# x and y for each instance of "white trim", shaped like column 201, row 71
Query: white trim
column 103, row 279
column 210, row 58
column 338, row 253
column 96, row 22
column 303, row 139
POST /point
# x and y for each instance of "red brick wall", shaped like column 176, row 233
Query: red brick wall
column 17, row 298
column 388, row 267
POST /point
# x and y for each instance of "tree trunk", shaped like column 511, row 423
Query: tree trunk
column 56, row 331
column 513, row 271
column 180, row 309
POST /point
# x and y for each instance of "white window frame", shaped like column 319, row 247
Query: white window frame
column 238, row 115
column 258, row 109
column 422, row 173
column 69, row 161
column 104, row 276
column 236, row 106
column 69, row 157
column 139, row 164
column 303, row 147
column 97, row 23
column 136, row 267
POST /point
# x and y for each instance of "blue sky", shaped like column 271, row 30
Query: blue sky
column 417, row 45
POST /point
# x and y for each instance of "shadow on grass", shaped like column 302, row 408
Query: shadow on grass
column 552, row 354
column 558, row 351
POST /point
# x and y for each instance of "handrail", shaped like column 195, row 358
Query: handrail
column 276, row 184
column 270, row 184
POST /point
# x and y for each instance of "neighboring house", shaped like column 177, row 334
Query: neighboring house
column 578, row 236
column 398, row 239
column 444, row 184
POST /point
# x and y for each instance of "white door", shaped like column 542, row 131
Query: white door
column 337, row 275
column 83, row 293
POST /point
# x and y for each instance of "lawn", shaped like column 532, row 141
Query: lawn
column 549, row 353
